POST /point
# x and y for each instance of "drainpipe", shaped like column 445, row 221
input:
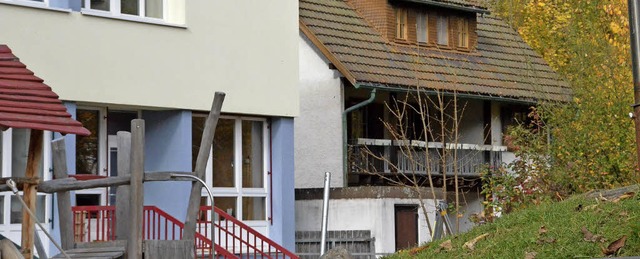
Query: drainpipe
column 344, row 132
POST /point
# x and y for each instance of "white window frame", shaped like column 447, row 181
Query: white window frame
column 29, row 3
column 115, row 11
column 7, row 142
column 238, row 191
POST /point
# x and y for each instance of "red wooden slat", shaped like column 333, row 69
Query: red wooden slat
column 21, row 77
column 17, row 117
column 15, row 70
column 14, row 63
column 46, row 126
column 28, row 85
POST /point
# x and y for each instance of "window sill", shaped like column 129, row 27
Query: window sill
column 131, row 18
column 36, row 5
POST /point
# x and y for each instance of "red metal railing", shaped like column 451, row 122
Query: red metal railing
column 97, row 223
column 238, row 238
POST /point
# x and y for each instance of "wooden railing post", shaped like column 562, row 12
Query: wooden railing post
column 201, row 164
column 64, row 198
column 134, row 243
column 122, row 192
column 30, row 192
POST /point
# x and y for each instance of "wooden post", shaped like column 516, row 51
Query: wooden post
column 134, row 243
column 201, row 164
column 30, row 192
column 63, row 198
column 122, row 193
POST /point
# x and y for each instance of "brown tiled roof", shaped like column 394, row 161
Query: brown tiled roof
column 26, row 102
column 502, row 66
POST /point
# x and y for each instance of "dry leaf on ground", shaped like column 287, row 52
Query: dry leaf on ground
column 530, row 255
column 446, row 245
column 590, row 237
column 614, row 246
column 542, row 230
column 548, row 240
column 472, row 243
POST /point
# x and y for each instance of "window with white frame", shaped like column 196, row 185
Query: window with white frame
column 141, row 8
column 14, row 151
column 238, row 165
column 96, row 154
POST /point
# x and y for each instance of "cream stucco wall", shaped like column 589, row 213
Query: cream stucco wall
column 248, row 49
column 318, row 138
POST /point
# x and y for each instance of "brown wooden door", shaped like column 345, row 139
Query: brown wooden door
column 406, row 217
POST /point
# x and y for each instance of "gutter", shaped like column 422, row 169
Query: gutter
column 344, row 132
column 445, row 93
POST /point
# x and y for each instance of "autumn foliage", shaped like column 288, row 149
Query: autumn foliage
column 589, row 143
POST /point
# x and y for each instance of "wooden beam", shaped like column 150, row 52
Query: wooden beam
column 63, row 197
column 122, row 193
column 71, row 184
column 201, row 164
column 134, row 243
column 30, row 192
column 40, row 247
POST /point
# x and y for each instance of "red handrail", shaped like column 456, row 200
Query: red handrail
column 247, row 241
column 97, row 223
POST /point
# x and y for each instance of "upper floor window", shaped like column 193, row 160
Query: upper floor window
column 142, row 8
column 463, row 33
column 422, row 27
column 401, row 23
column 443, row 29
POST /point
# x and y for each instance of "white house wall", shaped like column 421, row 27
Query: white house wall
column 318, row 128
column 376, row 215
column 248, row 49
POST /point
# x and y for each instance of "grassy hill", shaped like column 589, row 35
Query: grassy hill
column 551, row 230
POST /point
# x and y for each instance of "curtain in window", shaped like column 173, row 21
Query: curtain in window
column 422, row 28
column 443, row 27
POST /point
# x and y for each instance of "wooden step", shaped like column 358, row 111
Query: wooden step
column 94, row 252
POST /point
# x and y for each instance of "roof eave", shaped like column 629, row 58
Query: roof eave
column 325, row 51
column 473, row 9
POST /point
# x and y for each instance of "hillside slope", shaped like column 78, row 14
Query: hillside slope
column 551, row 230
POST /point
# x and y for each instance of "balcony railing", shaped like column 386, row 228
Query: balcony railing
column 416, row 157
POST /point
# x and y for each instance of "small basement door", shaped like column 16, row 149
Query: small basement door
column 406, row 217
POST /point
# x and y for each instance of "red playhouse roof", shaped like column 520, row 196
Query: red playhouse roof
column 26, row 102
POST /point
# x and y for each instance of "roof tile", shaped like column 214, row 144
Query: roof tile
column 502, row 65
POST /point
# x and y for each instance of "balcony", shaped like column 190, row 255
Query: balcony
column 385, row 156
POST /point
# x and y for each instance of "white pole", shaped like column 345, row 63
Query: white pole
column 325, row 214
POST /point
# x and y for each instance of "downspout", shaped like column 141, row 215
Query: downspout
column 344, row 132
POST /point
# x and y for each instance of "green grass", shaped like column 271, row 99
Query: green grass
column 518, row 233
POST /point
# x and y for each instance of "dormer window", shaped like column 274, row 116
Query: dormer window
column 422, row 27
column 401, row 23
column 443, row 29
column 463, row 33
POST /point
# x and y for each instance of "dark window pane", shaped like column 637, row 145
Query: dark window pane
column 87, row 146
column 119, row 121
column 100, row 5
column 16, row 209
column 223, row 154
column 252, row 154
column 253, row 208
column 130, row 7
